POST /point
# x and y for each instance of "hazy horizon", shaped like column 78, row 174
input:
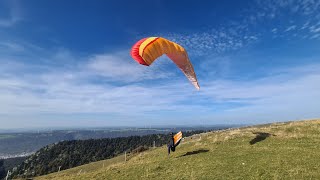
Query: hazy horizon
column 98, row 128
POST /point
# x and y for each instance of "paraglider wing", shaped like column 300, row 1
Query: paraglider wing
column 147, row 50
column 177, row 138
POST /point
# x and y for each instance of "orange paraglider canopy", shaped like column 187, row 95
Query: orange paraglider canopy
column 147, row 50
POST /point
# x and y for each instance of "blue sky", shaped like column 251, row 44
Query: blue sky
column 67, row 64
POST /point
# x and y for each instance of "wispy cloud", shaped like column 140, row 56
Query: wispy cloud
column 251, row 26
column 70, row 91
column 273, row 98
column 214, row 41
column 290, row 28
column 11, row 46
column 96, row 83
column 119, row 66
column 286, row 82
column 304, row 19
column 305, row 7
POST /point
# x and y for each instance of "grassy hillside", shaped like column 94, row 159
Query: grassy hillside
column 275, row 151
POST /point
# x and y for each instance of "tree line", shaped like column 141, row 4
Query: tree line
column 69, row 154
column 8, row 164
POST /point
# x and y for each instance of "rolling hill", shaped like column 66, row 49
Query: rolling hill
column 68, row 154
column 287, row 150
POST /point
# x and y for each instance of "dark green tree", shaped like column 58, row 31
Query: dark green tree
column 2, row 169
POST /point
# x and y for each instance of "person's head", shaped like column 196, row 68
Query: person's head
column 171, row 134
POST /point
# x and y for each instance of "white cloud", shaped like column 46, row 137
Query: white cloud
column 239, row 33
column 71, row 88
column 11, row 46
column 265, row 88
column 252, row 25
column 305, row 7
column 67, row 97
column 272, row 98
column 214, row 41
column 315, row 30
column 291, row 93
column 62, row 83
column 296, row 17
column 293, row 27
column 119, row 66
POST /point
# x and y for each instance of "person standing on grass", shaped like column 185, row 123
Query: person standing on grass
column 171, row 145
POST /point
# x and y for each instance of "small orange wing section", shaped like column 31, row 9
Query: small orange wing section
column 147, row 50
column 177, row 138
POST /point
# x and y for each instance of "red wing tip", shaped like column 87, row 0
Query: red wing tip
column 135, row 52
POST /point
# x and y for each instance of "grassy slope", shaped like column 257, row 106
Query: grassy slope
column 292, row 151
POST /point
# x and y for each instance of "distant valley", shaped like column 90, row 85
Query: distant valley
column 20, row 144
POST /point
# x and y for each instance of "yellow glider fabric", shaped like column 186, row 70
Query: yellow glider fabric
column 147, row 50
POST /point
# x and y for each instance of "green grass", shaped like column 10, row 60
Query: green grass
column 85, row 169
column 290, row 152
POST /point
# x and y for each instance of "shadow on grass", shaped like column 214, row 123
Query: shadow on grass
column 260, row 136
column 194, row 152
